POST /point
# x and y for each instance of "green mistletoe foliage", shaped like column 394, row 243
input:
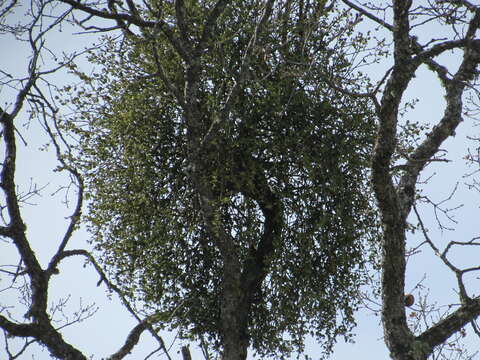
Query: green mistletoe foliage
column 283, row 155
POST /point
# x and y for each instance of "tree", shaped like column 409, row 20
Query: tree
column 396, row 167
column 262, row 203
column 24, row 273
column 396, row 182
column 244, row 210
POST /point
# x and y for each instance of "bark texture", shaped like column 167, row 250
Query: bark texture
column 396, row 200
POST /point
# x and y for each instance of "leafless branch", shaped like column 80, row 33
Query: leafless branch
column 112, row 287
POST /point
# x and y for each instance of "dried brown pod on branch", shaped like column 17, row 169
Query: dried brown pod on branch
column 409, row 300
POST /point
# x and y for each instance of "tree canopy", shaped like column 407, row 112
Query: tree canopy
column 226, row 150
column 264, row 171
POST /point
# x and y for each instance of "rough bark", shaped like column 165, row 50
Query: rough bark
column 395, row 201
column 40, row 328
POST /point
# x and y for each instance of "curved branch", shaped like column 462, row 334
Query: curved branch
column 16, row 228
column 111, row 16
column 131, row 341
column 167, row 29
column 9, row 7
column 438, row 49
column 257, row 188
column 369, row 15
column 395, row 202
column 14, row 329
column 441, row 331
column 75, row 217
column 46, row 334
column 112, row 287
column 210, row 24
column 446, row 127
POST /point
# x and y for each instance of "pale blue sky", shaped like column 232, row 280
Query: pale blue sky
column 106, row 331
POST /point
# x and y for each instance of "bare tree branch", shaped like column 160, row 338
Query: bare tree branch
column 395, row 201
column 131, row 341
column 440, row 332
